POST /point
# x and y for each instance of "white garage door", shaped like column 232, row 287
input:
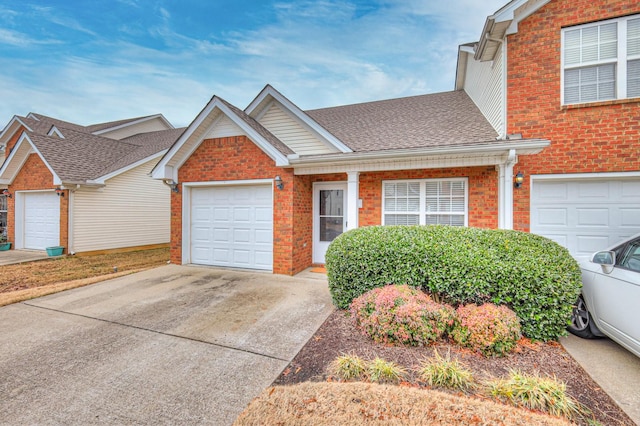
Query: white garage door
column 585, row 215
column 41, row 220
column 232, row 226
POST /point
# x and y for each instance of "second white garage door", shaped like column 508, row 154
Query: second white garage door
column 585, row 215
column 41, row 220
column 232, row 226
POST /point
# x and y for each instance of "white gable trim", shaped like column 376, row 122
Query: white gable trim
column 165, row 170
column 14, row 123
column 20, row 155
column 131, row 123
column 305, row 120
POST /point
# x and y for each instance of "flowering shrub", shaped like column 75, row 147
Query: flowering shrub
column 490, row 329
column 401, row 314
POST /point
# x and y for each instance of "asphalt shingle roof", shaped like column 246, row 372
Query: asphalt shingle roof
column 81, row 156
column 426, row 121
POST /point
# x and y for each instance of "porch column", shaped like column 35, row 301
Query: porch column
column 505, row 191
column 353, row 205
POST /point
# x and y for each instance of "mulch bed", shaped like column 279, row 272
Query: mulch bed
column 338, row 335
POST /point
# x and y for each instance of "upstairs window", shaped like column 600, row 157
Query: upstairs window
column 601, row 61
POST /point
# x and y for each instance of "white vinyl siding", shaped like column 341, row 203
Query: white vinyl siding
column 601, row 61
column 425, row 202
column 292, row 133
column 484, row 85
column 131, row 210
column 223, row 128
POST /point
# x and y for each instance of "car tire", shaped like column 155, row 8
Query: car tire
column 581, row 321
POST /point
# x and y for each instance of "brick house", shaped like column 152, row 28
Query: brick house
column 567, row 72
column 269, row 187
column 85, row 188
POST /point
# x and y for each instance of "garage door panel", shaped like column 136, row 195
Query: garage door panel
column 41, row 220
column 585, row 216
column 630, row 217
column 592, row 217
column 242, row 220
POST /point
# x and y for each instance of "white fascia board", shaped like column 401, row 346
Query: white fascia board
column 530, row 146
column 269, row 91
column 461, row 66
column 14, row 156
column 101, row 180
column 131, row 123
column 518, row 14
column 15, row 122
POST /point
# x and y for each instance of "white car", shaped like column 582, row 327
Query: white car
column 610, row 299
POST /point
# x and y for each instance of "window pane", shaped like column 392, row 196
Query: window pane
column 443, row 219
column 330, row 228
column 633, row 79
column 633, row 37
column 401, row 219
column 608, row 41
column 402, row 196
column 331, row 202
column 590, row 84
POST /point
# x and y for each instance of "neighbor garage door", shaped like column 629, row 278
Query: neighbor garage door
column 585, row 215
column 41, row 220
column 232, row 226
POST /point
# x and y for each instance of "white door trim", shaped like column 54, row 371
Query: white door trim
column 319, row 248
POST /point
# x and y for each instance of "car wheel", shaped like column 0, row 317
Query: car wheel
column 581, row 320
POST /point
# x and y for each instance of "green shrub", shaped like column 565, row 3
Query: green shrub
column 535, row 276
column 490, row 329
column 401, row 314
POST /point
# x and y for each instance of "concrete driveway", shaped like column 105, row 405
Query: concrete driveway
column 173, row 345
column 9, row 257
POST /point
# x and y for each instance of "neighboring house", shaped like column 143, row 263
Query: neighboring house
column 86, row 188
column 270, row 186
column 568, row 72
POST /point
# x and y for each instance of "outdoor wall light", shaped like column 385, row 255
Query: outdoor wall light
column 279, row 183
column 518, row 180
column 6, row 193
column 171, row 184
column 59, row 192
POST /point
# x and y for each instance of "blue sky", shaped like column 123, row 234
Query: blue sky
column 104, row 60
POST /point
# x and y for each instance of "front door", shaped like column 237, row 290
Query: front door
column 329, row 215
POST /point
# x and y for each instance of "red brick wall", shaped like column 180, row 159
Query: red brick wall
column 483, row 190
column 238, row 158
column 35, row 175
column 12, row 142
column 598, row 137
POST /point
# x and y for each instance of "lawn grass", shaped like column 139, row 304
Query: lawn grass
column 33, row 279
column 375, row 404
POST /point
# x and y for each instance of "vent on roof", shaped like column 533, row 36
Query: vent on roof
column 55, row 132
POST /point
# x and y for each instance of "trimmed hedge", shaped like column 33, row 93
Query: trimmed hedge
column 535, row 276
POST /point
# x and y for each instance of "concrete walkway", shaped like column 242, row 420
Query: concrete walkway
column 172, row 345
column 614, row 368
column 9, row 257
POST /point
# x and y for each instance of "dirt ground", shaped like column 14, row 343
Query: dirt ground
column 338, row 335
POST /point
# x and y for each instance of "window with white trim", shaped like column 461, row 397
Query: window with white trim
column 425, row 202
column 601, row 61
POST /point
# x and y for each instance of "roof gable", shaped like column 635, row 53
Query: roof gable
column 321, row 139
column 125, row 128
column 19, row 155
column 204, row 124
